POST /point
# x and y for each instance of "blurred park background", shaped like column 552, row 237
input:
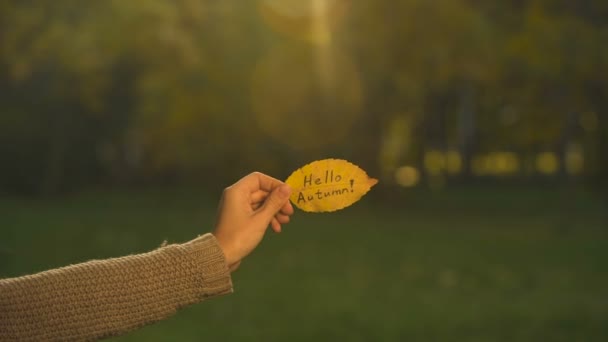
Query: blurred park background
column 485, row 121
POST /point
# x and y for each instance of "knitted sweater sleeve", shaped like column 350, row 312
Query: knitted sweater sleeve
column 104, row 298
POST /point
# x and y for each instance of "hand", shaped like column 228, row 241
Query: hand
column 245, row 211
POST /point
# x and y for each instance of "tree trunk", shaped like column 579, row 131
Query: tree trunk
column 57, row 154
column 566, row 138
column 467, row 128
column 370, row 129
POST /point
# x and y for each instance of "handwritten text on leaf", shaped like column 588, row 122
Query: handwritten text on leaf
column 328, row 185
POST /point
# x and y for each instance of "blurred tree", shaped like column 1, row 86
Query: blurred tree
column 161, row 90
column 425, row 58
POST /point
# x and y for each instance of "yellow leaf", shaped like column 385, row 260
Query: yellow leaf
column 328, row 185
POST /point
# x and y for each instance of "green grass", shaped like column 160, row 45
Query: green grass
column 463, row 265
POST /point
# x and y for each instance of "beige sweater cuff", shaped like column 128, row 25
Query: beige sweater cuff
column 210, row 263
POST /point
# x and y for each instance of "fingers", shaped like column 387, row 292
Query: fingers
column 276, row 226
column 277, row 200
column 279, row 219
column 269, row 198
column 258, row 197
column 277, row 222
column 258, row 181
column 287, row 209
column 282, row 219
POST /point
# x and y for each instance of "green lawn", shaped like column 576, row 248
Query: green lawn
column 462, row 265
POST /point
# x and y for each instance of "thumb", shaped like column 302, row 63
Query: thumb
column 277, row 199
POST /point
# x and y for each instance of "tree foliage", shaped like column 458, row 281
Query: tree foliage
column 118, row 91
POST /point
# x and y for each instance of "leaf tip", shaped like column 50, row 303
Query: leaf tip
column 372, row 181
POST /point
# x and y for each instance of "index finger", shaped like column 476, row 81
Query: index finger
column 258, row 181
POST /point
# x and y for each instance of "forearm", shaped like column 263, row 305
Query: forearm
column 105, row 298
